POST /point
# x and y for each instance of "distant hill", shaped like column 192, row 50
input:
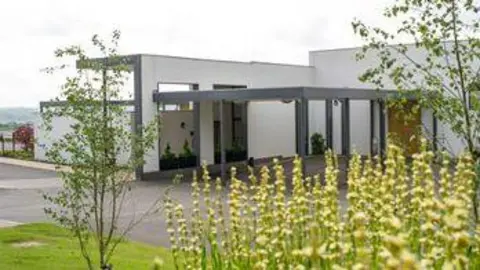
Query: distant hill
column 19, row 115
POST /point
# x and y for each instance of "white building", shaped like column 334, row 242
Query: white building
column 344, row 110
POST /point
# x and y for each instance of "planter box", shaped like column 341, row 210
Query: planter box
column 168, row 164
column 231, row 156
column 187, row 162
column 178, row 163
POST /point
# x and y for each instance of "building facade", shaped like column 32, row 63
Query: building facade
column 264, row 128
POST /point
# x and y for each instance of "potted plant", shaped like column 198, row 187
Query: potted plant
column 236, row 153
column 168, row 161
column 187, row 159
column 318, row 144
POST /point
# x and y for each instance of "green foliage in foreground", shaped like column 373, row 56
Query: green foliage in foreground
column 18, row 154
column 397, row 217
column 59, row 250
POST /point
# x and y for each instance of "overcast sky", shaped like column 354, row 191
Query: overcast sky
column 246, row 30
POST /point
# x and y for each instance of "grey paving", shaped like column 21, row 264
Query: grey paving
column 26, row 205
column 11, row 172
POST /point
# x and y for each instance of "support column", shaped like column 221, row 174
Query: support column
column 245, row 127
column 306, row 122
column 382, row 129
column 329, row 123
column 222, row 142
column 159, row 140
column 346, row 127
column 372, row 127
column 196, row 128
column 435, row 132
column 206, row 129
column 301, row 123
column 138, row 109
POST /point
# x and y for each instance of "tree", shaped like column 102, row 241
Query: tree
column 94, row 189
column 24, row 135
column 445, row 78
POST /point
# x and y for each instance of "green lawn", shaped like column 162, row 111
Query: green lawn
column 59, row 250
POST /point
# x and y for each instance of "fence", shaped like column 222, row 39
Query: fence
column 8, row 144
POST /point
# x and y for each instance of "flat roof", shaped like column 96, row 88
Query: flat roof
column 275, row 93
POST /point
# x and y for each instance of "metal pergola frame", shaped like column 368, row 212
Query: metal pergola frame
column 60, row 103
column 299, row 95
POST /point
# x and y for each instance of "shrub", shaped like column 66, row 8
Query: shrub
column 24, row 135
column 168, row 152
column 394, row 219
column 187, row 151
column 18, row 154
column 318, row 144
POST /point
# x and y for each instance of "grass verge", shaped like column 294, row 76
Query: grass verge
column 53, row 247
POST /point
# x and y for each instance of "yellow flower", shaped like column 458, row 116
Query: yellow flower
column 359, row 266
column 158, row 263
column 393, row 263
column 408, row 261
column 461, row 240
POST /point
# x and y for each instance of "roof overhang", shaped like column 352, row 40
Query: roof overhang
column 277, row 93
column 96, row 63
column 61, row 103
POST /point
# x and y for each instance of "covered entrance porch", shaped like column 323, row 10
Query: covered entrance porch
column 207, row 133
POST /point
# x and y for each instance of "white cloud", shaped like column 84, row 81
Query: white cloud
column 260, row 30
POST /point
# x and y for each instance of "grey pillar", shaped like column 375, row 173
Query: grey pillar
column 435, row 132
column 306, row 126
column 222, row 142
column 346, row 127
column 329, row 123
column 137, row 81
column 159, row 141
column 245, row 130
column 372, row 127
column 383, row 131
column 301, row 122
column 196, row 127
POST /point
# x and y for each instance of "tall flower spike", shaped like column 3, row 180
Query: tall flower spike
column 221, row 223
column 171, row 230
column 196, row 223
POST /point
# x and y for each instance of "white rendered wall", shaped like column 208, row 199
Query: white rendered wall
column 360, row 127
column 227, row 121
column 316, row 120
column 207, row 151
column 271, row 124
column 446, row 138
column 61, row 126
column 337, row 127
column 265, row 119
column 173, row 133
column 44, row 139
column 449, row 140
column 427, row 124
column 339, row 68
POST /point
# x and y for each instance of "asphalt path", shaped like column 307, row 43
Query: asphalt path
column 21, row 200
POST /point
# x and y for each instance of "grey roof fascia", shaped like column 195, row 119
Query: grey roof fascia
column 128, row 60
column 322, row 93
column 276, row 93
column 282, row 93
column 44, row 104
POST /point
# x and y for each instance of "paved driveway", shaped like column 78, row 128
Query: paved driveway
column 18, row 177
column 21, row 200
column 10, row 172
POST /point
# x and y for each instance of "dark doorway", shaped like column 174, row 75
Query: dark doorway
column 235, row 128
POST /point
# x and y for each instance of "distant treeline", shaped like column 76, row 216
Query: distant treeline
column 9, row 126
